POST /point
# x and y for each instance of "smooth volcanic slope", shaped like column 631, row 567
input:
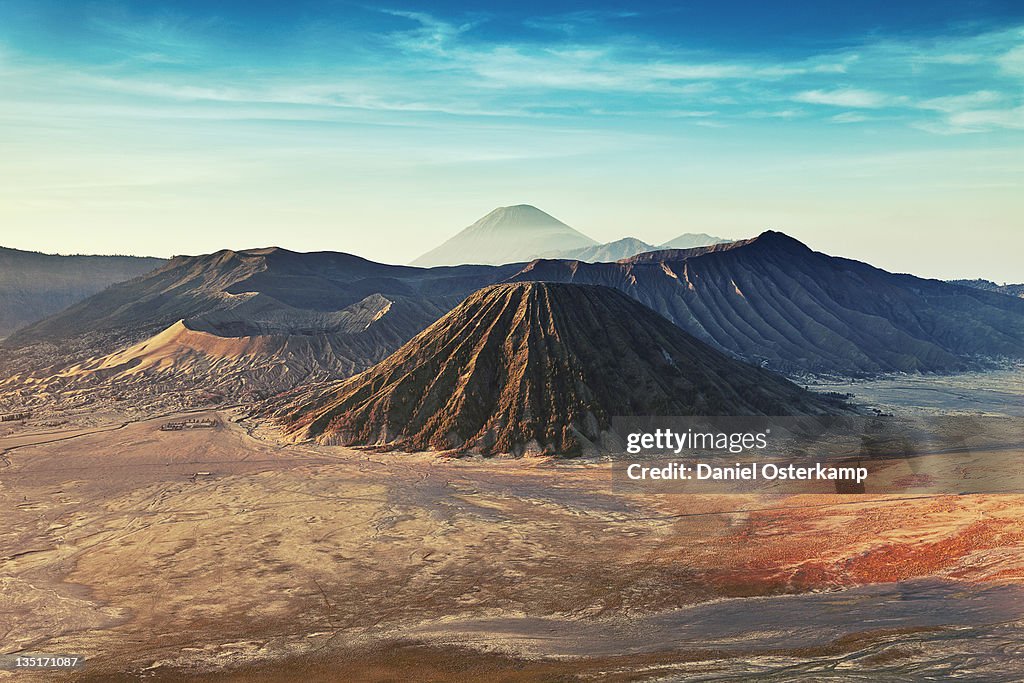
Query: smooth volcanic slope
column 509, row 234
column 773, row 301
column 34, row 285
column 537, row 368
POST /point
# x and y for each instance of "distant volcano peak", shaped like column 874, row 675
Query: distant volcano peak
column 508, row 234
column 779, row 238
column 521, row 212
column 519, row 215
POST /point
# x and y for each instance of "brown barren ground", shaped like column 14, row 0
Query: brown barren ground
column 211, row 554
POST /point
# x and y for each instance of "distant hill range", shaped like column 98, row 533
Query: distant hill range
column 254, row 322
column 690, row 240
column 509, row 234
column 538, row 368
column 628, row 247
column 35, row 285
column 989, row 286
column 599, row 253
column 516, row 234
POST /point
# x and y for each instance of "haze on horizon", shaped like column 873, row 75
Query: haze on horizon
column 887, row 132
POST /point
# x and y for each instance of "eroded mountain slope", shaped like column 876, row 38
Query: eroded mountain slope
column 773, row 301
column 538, row 367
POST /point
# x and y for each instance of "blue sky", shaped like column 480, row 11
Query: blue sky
column 892, row 132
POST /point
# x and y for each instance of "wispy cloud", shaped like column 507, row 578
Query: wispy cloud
column 449, row 66
column 573, row 23
column 1012, row 61
column 429, row 35
column 435, row 65
column 848, row 117
column 959, row 103
column 846, row 97
column 165, row 38
column 986, row 119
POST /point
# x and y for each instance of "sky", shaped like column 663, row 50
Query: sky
column 890, row 132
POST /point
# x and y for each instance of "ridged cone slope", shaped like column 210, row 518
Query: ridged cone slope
column 537, row 367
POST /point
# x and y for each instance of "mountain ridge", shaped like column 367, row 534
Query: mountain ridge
column 306, row 317
column 772, row 300
column 1016, row 290
column 769, row 301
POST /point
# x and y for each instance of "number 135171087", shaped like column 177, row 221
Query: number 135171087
column 40, row 661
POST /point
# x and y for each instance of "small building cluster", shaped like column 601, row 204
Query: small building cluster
column 193, row 423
